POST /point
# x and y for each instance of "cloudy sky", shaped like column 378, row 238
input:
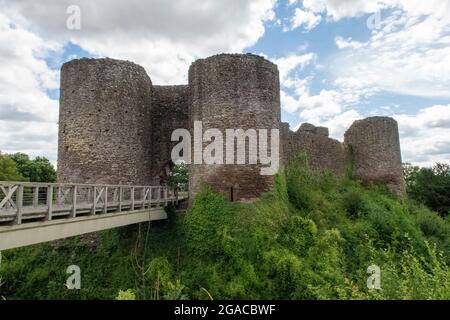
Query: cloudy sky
column 339, row 60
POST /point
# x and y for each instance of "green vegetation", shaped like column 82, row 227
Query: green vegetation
column 37, row 170
column 8, row 169
column 19, row 167
column 313, row 237
column 430, row 186
column 179, row 176
column 126, row 295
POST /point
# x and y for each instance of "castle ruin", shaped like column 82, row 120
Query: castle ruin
column 115, row 126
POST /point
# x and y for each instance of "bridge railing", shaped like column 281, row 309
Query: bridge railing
column 22, row 202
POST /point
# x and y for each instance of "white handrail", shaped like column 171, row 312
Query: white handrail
column 29, row 201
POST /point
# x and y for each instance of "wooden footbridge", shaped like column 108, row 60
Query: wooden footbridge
column 32, row 213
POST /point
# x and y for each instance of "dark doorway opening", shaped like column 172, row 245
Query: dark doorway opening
column 231, row 194
column 164, row 172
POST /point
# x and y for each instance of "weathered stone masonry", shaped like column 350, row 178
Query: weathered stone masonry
column 375, row 147
column 170, row 111
column 104, row 122
column 230, row 92
column 115, row 126
column 322, row 151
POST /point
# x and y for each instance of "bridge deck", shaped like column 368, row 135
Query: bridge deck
column 34, row 212
column 40, row 212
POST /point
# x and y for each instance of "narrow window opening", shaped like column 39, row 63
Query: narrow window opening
column 231, row 194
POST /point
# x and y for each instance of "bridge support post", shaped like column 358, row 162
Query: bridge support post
column 132, row 198
column 19, row 204
column 165, row 196
column 35, row 197
column 151, row 195
column 158, row 199
column 94, row 200
column 74, row 202
column 120, row 198
column 49, row 202
column 105, row 198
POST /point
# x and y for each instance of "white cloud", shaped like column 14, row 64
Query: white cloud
column 28, row 117
column 336, row 124
column 327, row 103
column 296, row 97
column 408, row 54
column 411, row 61
column 32, row 138
column 291, row 80
column 338, row 9
column 304, row 18
column 340, row 123
column 287, row 65
column 347, row 43
column 435, row 117
column 288, row 102
column 163, row 36
column 425, row 137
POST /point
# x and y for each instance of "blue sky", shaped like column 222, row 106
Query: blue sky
column 338, row 62
column 322, row 41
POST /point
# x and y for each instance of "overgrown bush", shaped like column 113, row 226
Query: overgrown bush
column 313, row 237
column 206, row 222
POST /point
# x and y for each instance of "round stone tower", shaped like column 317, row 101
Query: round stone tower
column 374, row 146
column 104, row 122
column 233, row 91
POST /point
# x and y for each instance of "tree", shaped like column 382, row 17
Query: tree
column 38, row 170
column 431, row 186
column 409, row 172
column 8, row 169
column 179, row 176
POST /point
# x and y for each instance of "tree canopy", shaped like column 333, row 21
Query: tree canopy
column 19, row 167
column 179, row 176
column 8, row 169
column 430, row 186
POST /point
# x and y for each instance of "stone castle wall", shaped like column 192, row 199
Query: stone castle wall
column 374, row 146
column 170, row 111
column 322, row 151
column 231, row 92
column 115, row 126
column 104, row 122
